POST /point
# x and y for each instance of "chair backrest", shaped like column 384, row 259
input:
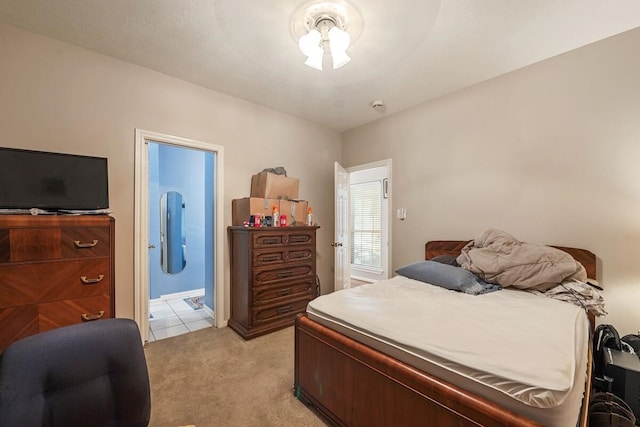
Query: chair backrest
column 90, row 374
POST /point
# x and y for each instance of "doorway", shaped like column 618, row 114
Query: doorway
column 180, row 187
column 369, row 234
column 178, row 235
column 362, row 241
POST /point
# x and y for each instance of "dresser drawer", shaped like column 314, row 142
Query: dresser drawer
column 17, row 322
column 281, row 256
column 289, row 236
column 279, row 312
column 273, row 294
column 23, row 321
column 78, row 310
column 264, row 277
column 40, row 244
column 85, row 242
column 22, row 284
column 301, row 237
column 268, row 239
column 31, row 244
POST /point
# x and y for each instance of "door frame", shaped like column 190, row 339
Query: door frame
column 381, row 163
column 341, row 229
column 141, row 224
column 386, row 225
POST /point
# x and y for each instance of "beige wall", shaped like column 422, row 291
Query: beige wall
column 57, row 97
column 549, row 153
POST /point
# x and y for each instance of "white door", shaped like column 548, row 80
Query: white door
column 342, row 261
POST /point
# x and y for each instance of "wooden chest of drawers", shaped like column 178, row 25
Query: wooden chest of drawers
column 54, row 271
column 273, row 277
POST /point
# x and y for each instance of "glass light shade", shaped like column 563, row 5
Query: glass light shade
column 315, row 61
column 339, row 59
column 310, row 42
column 339, row 43
column 311, row 45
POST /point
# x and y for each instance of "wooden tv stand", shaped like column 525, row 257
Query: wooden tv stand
column 55, row 271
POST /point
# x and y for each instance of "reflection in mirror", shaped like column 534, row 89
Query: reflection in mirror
column 173, row 252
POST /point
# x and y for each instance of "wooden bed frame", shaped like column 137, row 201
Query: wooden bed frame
column 352, row 384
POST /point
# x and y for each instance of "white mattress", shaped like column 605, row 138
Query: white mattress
column 526, row 352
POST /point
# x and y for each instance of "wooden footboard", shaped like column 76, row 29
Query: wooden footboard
column 355, row 385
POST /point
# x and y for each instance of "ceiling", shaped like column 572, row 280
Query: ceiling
column 408, row 51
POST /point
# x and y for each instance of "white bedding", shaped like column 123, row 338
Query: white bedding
column 524, row 351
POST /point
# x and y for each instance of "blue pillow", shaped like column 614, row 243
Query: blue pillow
column 447, row 276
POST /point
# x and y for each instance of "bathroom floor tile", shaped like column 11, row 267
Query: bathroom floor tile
column 162, row 312
column 199, row 324
column 194, row 315
column 165, row 322
column 173, row 316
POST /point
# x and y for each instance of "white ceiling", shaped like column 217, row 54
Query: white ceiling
column 408, row 52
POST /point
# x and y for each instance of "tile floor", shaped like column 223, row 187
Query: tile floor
column 172, row 316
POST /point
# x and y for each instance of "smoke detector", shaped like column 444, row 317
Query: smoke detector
column 379, row 106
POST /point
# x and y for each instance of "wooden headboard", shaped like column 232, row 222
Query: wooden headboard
column 453, row 247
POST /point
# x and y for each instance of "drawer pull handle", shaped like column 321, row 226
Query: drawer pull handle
column 284, row 292
column 298, row 239
column 297, row 255
column 285, row 309
column 271, row 241
column 270, row 258
column 80, row 244
column 284, row 274
column 91, row 281
column 90, row 317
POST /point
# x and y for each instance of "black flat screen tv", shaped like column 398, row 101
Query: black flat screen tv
column 52, row 181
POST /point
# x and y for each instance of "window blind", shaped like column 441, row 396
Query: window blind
column 366, row 229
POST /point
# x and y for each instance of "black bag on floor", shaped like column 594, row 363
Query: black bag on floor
column 604, row 336
column 608, row 410
column 633, row 341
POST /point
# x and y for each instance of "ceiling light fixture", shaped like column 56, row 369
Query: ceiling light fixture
column 321, row 27
column 314, row 42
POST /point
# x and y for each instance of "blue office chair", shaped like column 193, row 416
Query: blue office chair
column 91, row 374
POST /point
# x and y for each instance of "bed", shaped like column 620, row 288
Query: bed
column 356, row 379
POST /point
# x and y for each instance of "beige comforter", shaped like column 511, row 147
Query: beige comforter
column 497, row 257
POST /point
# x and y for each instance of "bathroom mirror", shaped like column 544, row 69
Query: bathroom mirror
column 173, row 251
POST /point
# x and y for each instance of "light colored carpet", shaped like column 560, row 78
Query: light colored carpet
column 213, row 377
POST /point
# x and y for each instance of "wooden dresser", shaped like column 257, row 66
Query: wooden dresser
column 54, row 271
column 273, row 277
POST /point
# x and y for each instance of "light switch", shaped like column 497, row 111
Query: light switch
column 401, row 213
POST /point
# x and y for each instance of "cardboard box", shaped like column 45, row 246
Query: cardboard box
column 271, row 186
column 295, row 210
column 241, row 209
